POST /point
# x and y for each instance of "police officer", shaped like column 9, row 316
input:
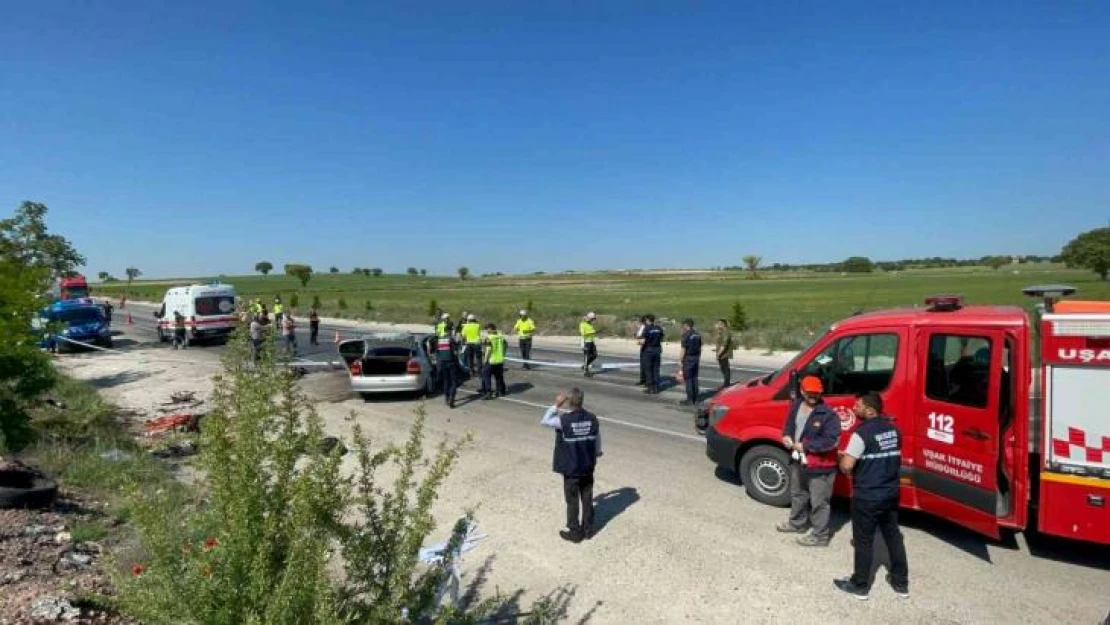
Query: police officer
column 577, row 448
column 873, row 458
column 691, row 360
column 640, row 341
column 524, row 328
column 445, row 358
column 651, row 353
column 494, row 363
column 471, row 332
column 589, row 343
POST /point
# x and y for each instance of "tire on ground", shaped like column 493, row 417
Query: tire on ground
column 765, row 473
column 22, row 488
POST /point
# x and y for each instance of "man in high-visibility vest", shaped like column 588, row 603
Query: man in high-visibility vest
column 589, row 344
column 524, row 329
column 279, row 310
column 445, row 358
column 472, row 338
column 494, row 364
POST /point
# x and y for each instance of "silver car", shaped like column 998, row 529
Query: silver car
column 397, row 362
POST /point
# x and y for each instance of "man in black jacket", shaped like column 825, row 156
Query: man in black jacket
column 577, row 448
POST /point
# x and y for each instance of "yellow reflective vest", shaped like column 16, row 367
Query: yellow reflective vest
column 588, row 332
column 525, row 327
column 472, row 331
column 496, row 353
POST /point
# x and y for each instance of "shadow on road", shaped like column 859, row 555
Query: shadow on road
column 610, row 505
column 123, row 377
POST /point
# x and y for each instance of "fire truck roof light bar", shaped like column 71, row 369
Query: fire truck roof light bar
column 1050, row 293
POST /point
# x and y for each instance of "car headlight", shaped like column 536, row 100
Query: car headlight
column 716, row 413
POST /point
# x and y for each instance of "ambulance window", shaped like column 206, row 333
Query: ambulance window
column 856, row 364
column 958, row 371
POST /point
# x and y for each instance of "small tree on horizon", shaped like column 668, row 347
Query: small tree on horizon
column 858, row 264
column 300, row 272
column 464, row 273
column 103, row 276
column 333, row 270
column 752, row 263
column 264, row 267
column 423, row 272
column 132, row 273
column 996, row 262
column 376, row 272
column 412, row 271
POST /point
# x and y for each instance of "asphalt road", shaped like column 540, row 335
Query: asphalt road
column 678, row 542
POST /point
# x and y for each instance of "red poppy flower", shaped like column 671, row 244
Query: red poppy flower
column 210, row 544
column 138, row 569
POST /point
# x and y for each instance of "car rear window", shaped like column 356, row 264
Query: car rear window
column 79, row 315
column 215, row 305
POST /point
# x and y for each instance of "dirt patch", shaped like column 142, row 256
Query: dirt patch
column 326, row 386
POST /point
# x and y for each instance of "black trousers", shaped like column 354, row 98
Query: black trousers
column 496, row 372
column 690, row 370
column 448, row 378
column 726, row 371
column 473, row 357
column 526, row 350
column 866, row 516
column 643, row 369
column 579, row 493
column 589, row 354
column 651, row 361
column 314, row 332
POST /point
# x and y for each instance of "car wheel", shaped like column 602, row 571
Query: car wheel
column 107, row 344
column 765, row 472
column 429, row 386
column 162, row 336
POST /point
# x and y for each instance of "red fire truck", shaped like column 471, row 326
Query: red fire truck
column 71, row 287
column 1005, row 418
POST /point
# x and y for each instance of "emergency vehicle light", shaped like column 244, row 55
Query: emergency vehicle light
column 944, row 303
column 1050, row 293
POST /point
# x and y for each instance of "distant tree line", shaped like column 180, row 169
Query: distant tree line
column 860, row 264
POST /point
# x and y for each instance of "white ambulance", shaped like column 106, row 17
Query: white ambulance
column 209, row 311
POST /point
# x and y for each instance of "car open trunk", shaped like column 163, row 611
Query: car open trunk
column 379, row 357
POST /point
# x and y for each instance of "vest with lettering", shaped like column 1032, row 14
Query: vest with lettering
column 576, row 444
column 496, row 348
column 875, row 477
column 445, row 345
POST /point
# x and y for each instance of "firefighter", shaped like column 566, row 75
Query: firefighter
column 589, row 343
column 651, row 354
column 524, row 328
column 445, row 358
column 874, row 458
column 691, row 360
column 811, row 433
column 180, row 340
column 494, row 364
column 471, row 332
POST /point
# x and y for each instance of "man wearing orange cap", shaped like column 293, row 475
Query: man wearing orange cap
column 811, row 433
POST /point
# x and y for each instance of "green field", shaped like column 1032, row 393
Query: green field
column 781, row 308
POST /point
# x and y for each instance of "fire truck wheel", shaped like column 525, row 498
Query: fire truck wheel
column 162, row 336
column 766, row 475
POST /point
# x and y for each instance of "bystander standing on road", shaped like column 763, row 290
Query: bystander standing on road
column 640, row 341
column 493, row 365
column 577, row 448
column 446, row 364
column 811, row 434
column 589, row 343
column 471, row 332
column 313, row 326
column 651, row 353
column 289, row 333
column 256, row 337
column 691, row 361
column 180, row 339
column 725, row 345
column 279, row 310
column 524, row 328
column 874, row 459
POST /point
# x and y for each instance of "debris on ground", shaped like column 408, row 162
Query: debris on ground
column 116, row 455
column 22, row 486
column 178, row 422
column 44, row 574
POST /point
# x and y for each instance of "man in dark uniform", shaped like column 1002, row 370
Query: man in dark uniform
column 446, row 359
column 651, row 353
column 640, row 340
column 691, row 360
column 873, row 458
column 577, row 448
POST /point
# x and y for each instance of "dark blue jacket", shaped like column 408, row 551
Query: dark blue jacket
column 691, row 342
column 820, row 437
column 576, row 444
column 653, row 339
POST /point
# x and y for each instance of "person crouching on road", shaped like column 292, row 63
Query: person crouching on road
column 589, row 343
column 577, row 448
column 691, row 361
column 651, row 350
column 494, row 364
column 445, row 358
column 811, row 433
column 524, row 328
column 874, row 459
column 180, row 340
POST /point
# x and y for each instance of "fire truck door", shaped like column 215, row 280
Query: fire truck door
column 956, row 426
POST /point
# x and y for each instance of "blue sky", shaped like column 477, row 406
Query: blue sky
column 191, row 138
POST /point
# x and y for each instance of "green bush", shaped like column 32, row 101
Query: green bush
column 294, row 301
column 342, row 303
column 369, row 306
column 738, row 320
column 316, row 302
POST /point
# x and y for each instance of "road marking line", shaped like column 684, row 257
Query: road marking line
column 629, row 424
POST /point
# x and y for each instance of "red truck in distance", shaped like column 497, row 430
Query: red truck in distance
column 1005, row 416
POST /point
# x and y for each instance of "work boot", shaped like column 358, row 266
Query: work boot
column 856, row 590
column 571, row 536
column 786, row 527
column 812, row 540
column 903, row 591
